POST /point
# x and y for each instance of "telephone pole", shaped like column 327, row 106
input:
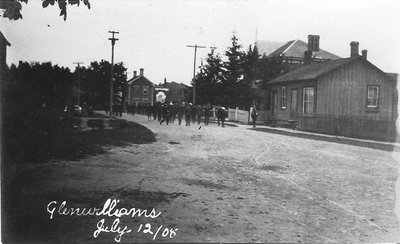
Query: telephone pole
column 194, row 70
column 79, row 83
column 112, row 69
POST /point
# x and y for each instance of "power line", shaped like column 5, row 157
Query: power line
column 112, row 69
column 194, row 70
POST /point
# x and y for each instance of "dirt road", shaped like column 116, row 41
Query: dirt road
column 228, row 184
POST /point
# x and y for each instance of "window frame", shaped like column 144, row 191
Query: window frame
column 147, row 89
column 372, row 107
column 283, row 97
column 312, row 100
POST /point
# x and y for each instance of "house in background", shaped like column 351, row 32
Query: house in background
column 140, row 90
column 279, row 58
column 345, row 97
column 175, row 92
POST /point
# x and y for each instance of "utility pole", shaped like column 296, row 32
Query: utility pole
column 194, row 70
column 79, row 83
column 112, row 69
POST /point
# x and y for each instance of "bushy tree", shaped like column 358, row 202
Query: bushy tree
column 209, row 79
column 12, row 8
column 95, row 82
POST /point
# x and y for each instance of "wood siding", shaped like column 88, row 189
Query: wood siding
column 284, row 114
column 343, row 93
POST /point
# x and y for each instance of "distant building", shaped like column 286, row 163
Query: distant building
column 140, row 90
column 175, row 92
column 346, row 97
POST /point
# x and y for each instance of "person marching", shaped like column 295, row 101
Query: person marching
column 180, row 112
column 207, row 111
column 199, row 111
column 188, row 111
column 166, row 113
column 221, row 114
column 193, row 113
column 254, row 114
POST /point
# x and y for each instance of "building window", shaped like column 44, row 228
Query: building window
column 136, row 88
column 308, row 100
column 145, row 90
column 372, row 96
column 283, row 97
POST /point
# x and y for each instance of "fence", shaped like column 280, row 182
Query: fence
column 243, row 116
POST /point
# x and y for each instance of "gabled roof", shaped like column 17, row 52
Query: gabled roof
column 137, row 78
column 4, row 39
column 296, row 48
column 313, row 71
column 267, row 47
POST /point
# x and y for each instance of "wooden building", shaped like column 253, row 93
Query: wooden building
column 346, row 97
column 140, row 90
column 280, row 58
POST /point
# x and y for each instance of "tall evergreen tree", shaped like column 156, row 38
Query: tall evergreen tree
column 209, row 79
column 233, row 74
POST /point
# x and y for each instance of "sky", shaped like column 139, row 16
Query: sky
column 154, row 35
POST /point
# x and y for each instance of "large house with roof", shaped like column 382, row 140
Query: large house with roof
column 279, row 58
column 140, row 90
column 346, row 97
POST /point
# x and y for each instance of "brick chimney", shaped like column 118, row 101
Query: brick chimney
column 134, row 73
column 165, row 82
column 307, row 57
column 313, row 43
column 354, row 49
column 141, row 71
column 364, row 54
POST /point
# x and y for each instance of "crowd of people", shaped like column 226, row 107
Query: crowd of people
column 169, row 112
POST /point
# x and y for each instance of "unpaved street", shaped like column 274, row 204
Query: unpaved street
column 229, row 184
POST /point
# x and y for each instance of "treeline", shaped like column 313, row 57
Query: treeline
column 228, row 80
column 35, row 98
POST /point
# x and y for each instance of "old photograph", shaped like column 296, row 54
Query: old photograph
column 216, row 121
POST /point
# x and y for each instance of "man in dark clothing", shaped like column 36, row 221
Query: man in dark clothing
column 207, row 112
column 174, row 110
column 159, row 111
column 166, row 113
column 221, row 114
column 254, row 114
column 180, row 112
column 199, row 112
column 188, row 111
column 193, row 113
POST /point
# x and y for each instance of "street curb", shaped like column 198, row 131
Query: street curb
column 386, row 146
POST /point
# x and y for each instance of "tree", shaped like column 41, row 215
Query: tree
column 209, row 79
column 95, row 82
column 233, row 74
column 12, row 8
column 249, row 76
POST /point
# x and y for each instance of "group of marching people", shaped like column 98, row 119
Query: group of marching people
column 170, row 112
